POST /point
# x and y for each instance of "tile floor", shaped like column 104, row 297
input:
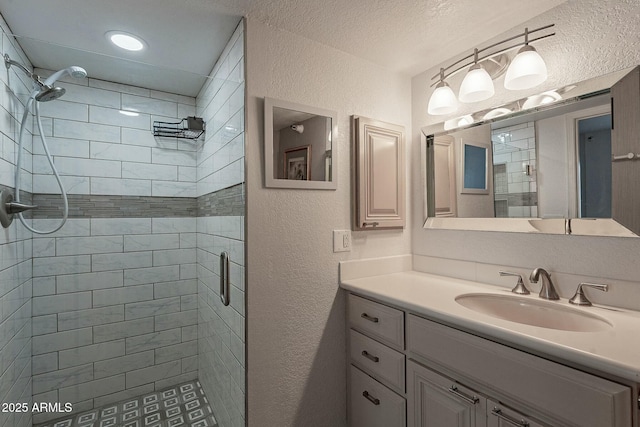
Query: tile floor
column 182, row 405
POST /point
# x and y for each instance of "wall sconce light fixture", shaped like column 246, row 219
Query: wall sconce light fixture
column 525, row 71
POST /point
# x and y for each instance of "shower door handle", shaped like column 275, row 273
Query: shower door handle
column 224, row 278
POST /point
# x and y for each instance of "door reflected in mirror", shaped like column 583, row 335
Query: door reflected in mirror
column 299, row 146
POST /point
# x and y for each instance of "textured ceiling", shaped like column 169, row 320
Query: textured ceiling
column 408, row 36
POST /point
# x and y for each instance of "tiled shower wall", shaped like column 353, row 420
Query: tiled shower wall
column 515, row 192
column 115, row 290
column 15, row 251
column 221, row 203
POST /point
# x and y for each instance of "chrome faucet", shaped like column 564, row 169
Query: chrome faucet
column 547, row 291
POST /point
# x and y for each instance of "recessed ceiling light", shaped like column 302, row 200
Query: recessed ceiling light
column 125, row 40
column 129, row 113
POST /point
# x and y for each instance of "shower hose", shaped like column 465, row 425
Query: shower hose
column 63, row 193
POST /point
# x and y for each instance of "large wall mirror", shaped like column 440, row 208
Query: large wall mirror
column 563, row 162
column 299, row 146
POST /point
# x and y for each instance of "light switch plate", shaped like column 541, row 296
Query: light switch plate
column 341, row 240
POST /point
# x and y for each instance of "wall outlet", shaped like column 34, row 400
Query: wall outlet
column 341, row 240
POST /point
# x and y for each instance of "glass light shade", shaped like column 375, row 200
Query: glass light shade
column 526, row 70
column 496, row 112
column 451, row 123
column 465, row 120
column 476, row 86
column 541, row 99
column 442, row 101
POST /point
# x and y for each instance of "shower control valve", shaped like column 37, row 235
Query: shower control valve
column 8, row 208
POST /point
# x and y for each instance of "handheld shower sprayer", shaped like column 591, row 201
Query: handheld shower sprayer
column 73, row 71
column 42, row 91
column 50, row 92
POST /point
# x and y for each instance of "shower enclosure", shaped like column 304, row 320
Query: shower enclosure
column 123, row 300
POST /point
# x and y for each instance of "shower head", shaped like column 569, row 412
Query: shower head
column 73, row 71
column 49, row 93
column 46, row 91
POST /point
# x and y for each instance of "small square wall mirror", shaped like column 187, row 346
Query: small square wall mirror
column 298, row 146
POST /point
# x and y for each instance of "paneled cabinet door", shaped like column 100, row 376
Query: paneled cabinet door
column 625, row 138
column 380, row 174
column 437, row 401
column 501, row 416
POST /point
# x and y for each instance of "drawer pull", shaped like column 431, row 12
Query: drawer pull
column 371, row 398
column 366, row 354
column 369, row 318
column 470, row 399
column 498, row 413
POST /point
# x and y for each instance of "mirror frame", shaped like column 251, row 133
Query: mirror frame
column 568, row 226
column 270, row 181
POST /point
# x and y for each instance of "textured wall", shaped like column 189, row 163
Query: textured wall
column 221, row 330
column 295, row 324
column 593, row 38
column 15, row 249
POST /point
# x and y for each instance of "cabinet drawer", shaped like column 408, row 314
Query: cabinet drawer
column 377, row 320
column 372, row 404
column 384, row 363
column 552, row 392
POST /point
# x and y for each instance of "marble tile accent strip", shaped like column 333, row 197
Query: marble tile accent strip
column 226, row 202
column 97, row 206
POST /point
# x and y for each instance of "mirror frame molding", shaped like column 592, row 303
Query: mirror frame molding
column 270, row 181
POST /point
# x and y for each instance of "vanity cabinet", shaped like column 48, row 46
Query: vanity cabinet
column 551, row 392
column 379, row 174
column 454, row 378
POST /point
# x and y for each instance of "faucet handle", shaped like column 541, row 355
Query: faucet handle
column 520, row 288
column 581, row 299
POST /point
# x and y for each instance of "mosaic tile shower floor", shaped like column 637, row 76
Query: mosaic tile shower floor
column 184, row 405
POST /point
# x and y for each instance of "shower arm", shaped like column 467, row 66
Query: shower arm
column 8, row 62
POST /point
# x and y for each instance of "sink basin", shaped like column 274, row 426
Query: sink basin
column 543, row 314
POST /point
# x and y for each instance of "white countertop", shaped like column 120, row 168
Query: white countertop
column 615, row 351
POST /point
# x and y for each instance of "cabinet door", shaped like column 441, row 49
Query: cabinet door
column 625, row 174
column 502, row 416
column 380, row 174
column 437, row 401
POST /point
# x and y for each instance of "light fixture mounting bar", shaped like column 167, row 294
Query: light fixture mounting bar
column 470, row 58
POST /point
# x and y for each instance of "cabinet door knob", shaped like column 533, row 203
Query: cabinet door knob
column 366, row 354
column 498, row 413
column 369, row 318
column 371, row 398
